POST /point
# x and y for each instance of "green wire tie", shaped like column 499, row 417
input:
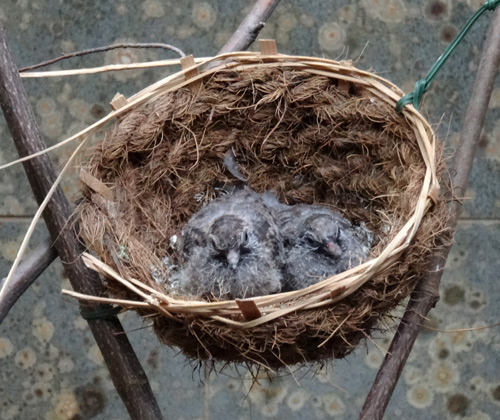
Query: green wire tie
column 422, row 85
column 105, row 311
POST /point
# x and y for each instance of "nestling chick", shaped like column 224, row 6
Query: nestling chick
column 231, row 249
column 318, row 243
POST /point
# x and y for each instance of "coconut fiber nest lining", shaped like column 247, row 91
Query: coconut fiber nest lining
column 312, row 131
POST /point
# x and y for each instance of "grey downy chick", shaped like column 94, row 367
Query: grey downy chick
column 231, row 248
column 318, row 243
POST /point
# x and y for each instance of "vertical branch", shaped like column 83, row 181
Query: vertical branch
column 124, row 367
column 250, row 27
column 426, row 293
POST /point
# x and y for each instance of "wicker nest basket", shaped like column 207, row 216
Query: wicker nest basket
column 310, row 129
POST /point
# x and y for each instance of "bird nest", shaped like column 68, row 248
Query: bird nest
column 311, row 130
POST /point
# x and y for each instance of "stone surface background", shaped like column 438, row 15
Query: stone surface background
column 50, row 367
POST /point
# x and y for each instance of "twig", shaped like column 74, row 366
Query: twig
column 26, row 274
column 249, row 29
column 36, row 217
column 103, row 49
column 124, row 367
column 426, row 293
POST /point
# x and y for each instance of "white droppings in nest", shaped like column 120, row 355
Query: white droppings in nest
column 122, row 252
column 174, row 244
column 199, row 197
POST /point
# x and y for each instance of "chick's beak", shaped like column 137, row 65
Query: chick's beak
column 333, row 249
column 233, row 257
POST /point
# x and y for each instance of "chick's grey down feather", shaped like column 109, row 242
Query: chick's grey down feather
column 318, row 243
column 231, row 248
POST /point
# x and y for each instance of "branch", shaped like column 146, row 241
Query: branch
column 249, row 29
column 103, row 49
column 124, row 367
column 426, row 293
column 25, row 276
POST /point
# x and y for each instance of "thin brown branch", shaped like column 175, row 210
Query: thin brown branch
column 249, row 29
column 426, row 294
column 124, row 367
column 26, row 274
column 103, row 49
